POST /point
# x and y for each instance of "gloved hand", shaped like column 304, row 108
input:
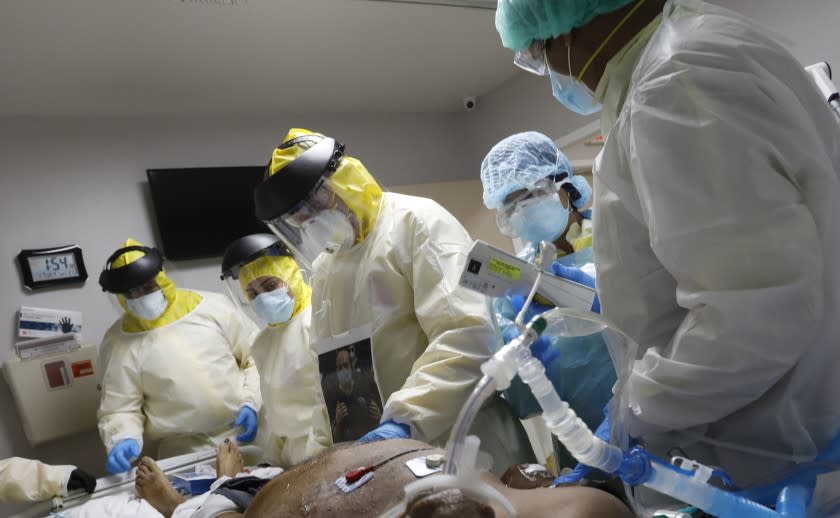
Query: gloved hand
column 582, row 470
column 247, row 419
column 80, row 479
column 388, row 430
column 121, row 456
column 576, row 475
column 541, row 349
column 534, row 309
column 579, row 276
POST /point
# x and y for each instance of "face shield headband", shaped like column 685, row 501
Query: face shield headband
column 246, row 249
column 133, row 274
column 283, row 191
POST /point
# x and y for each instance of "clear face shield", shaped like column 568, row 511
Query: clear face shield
column 320, row 224
column 532, row 59
column 541, row 204
column 146, row 301
column 130, row 276
column 265, row 288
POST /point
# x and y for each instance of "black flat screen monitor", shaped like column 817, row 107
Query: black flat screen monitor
column 201, row 210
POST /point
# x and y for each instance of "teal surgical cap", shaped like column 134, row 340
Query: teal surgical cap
column 519, row 22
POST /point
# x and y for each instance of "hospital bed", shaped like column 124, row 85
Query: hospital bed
column 114, row 495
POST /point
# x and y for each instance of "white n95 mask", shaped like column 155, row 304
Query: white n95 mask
column 332, row 229
column 148, row 307
column 275, row 306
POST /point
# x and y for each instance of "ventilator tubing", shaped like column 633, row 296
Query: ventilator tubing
column 672, row 481
column 498, row 371
column 562, row 420
column 636, row 467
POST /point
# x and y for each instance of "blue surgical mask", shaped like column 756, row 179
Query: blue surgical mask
column 540, row 219
column 572, row 93
column 275, row 307
column 148, row 307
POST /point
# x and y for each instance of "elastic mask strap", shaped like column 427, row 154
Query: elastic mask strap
column 607, row 40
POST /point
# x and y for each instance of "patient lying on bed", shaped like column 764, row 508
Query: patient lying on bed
column 309, row 489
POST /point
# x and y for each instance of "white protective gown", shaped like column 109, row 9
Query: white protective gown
column 182, row 384
column 718, row 227
column 27, row 480
column 297, row 426
column 429, row 335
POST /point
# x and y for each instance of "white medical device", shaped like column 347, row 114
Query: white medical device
column 57, row 394
column 821, row 74
column 494, row 273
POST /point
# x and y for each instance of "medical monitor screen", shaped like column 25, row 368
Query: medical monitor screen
column 200, row 211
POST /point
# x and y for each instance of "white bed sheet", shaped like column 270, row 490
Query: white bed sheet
column 128, row 505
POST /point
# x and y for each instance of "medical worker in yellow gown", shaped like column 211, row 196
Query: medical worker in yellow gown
column 259, row 270
column 178, row 368
column 29, row 480
column 386, row 266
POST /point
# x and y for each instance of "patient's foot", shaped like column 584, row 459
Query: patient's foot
column 152, row 485
column 228, row 460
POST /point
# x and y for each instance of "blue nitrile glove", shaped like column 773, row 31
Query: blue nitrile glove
column 582, row 470
column 388, row 430
column 579, row 276
column 541, row 349
column 517, row 301
column 247, row 419
column 121, row 456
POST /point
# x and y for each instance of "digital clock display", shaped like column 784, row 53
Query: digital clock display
column 52, row 267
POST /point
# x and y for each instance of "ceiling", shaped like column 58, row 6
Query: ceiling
column 196, row 57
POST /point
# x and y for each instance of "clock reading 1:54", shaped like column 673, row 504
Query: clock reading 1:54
column 56, row 266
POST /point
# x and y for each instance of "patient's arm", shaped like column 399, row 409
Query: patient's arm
column 309, row 490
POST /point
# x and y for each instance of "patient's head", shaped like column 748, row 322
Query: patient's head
column 450, row 503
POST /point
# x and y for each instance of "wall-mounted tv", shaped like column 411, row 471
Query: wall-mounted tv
column 201, row 210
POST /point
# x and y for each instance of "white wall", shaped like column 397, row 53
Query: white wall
column 82, row 181
column 809, row 27
column 522, row 103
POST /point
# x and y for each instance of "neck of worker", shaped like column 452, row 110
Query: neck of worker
column 591, row 36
